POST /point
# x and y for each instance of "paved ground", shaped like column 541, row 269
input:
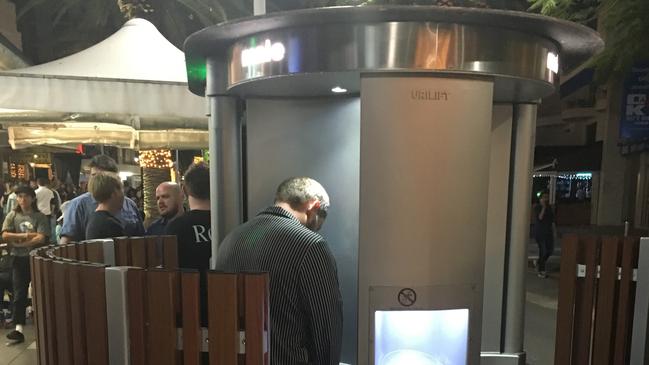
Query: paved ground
column 541, row 314
column 23, row 354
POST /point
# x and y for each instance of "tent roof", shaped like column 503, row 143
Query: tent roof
column 137, row 51
column 135, row 77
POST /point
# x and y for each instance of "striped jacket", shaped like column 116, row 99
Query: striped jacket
column 305, row 301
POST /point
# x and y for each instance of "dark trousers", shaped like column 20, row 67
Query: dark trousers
column 21, row 279
column 546, row 247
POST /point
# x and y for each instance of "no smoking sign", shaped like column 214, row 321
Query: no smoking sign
column 407, row 297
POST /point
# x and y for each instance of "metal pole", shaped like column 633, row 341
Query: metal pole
column 525, row 125
column 224, row 128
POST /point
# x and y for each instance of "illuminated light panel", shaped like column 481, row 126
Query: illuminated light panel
column 421, row 337
column 264, row 53
column 338, row 90
column 552, row 62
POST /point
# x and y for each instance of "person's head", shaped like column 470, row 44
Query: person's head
column 305, row 195
column 544, row 197
column 33, row 184
column 102, row 163
column 42, row 181
column 25, row 199
column 106, row 189
column 197, row 181
column 169, row 197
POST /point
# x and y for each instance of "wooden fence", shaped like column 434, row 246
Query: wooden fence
column 124, row 301
column 596, row 298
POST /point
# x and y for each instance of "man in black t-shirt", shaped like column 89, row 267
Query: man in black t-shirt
column 193, row 228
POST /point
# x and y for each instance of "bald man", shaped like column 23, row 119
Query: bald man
column 170, row 198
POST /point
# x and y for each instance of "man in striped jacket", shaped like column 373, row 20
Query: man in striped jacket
column 305, row 301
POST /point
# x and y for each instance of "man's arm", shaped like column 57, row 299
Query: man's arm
column 319, row 287
column 134, row 219
column 33, row 239
column 72, row 229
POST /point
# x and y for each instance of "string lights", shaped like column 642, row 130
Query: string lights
column 156, row 159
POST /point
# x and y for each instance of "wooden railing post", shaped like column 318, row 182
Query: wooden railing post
column 625, row 304
column 223, row 318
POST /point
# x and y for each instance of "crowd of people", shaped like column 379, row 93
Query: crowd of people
column 306, row 310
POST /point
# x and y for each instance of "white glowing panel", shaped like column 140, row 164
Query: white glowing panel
column 421, row 337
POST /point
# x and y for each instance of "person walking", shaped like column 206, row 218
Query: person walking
column 544, row 232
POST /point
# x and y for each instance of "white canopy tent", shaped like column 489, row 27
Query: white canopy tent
column 132, row 85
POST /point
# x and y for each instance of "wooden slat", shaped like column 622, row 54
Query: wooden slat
column 153, row 251
column 585, row 301
column 50, row 315
column 603, row 336
column 94, row 289
column 78, row 310
column 191, row 318
column 82, row 251
column 136, row 292
column 62, row 311
column 223, row 318
column 122, row 251
column 65, row 251
column 626, row 301
column 255, row 317
column 38, row 295
column 138, row 252
column 95, row 252
column 161, row 335
column 73, row 251
column 170, row 252
column 567, row 290
column 57, row 251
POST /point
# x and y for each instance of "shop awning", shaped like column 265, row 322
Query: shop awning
column 74, row 133
column 134, row 78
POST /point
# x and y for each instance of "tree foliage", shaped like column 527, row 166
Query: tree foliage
column 624, row 24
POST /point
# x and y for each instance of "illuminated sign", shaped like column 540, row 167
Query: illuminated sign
column 263, row 53
column 552, row 62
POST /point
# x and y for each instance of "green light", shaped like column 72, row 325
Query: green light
column 196, row 70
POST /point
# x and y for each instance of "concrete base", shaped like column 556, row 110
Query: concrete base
column 495, row 358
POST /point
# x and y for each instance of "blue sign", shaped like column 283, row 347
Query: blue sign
column 634, row 125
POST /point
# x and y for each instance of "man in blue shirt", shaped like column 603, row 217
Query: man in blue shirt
column 170, row 198
column 80, row 208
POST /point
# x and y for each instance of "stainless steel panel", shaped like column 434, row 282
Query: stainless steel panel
column 326, row 27
column 425, row 146
column 515, row 59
